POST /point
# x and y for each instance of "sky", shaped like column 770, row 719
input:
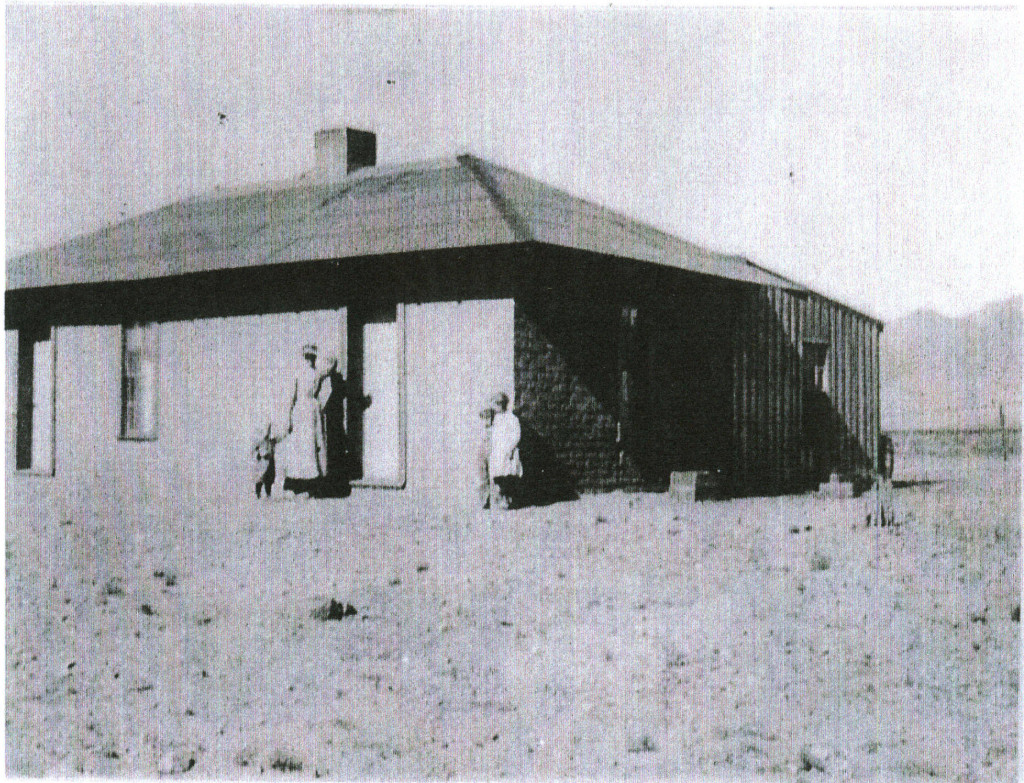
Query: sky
column 874, row 155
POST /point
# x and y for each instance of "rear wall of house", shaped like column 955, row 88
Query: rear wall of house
column 793, row 426
column 852, row 388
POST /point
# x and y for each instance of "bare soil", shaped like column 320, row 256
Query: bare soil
column 617, row 636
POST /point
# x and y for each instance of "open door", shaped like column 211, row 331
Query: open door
column 376, row 358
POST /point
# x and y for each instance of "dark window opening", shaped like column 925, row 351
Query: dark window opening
column 816, row 356
column 138, row 382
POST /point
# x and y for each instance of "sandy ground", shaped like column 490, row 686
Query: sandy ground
column 618, row 636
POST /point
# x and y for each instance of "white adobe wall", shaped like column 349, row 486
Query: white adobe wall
column 220, row 381
column 458, row 354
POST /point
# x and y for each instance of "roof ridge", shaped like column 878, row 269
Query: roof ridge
column 518, row 225
column 608, row 211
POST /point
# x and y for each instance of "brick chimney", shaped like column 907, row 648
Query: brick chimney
column 340, row 151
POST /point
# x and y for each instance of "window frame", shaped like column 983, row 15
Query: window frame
column 135, row 434
column 818, row 365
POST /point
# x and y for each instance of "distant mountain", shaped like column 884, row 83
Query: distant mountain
column 952, row 373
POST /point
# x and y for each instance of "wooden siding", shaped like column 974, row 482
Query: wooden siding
column 767, row 394
column 773, row 435
column 853, row 380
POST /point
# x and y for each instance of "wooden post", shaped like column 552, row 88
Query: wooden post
column 1002, row 430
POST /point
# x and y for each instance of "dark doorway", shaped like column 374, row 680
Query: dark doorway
column 677, row 383
column 35, row 412
column 376, row 387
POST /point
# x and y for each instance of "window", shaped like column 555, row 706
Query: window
column 35, row 411
column 138, row 382
column 816, row 356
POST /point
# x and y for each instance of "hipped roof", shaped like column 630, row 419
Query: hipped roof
column 458, row 202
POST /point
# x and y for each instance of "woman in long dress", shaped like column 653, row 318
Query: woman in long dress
column 307, row 447
column 505, row 466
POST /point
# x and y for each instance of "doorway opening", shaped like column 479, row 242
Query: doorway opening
column 376, row 370
column 35, row 412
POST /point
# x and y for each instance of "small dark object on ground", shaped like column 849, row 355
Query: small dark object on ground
column 113, row 587
column 333, row 610
column 907, row 483
column 810, row 760
column 1015, row 614
column 820, row 562
column 645, row 745
column 794, row 529
column 176, row 763
column 146, row 609
column 422, row 568
column 600, row 521
column 980, row 617
column 285, row 763
column 862, row 482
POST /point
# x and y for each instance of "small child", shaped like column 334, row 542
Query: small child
column 265, row 468
column 483, row 453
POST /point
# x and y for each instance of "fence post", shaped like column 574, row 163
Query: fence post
column 1002, row 430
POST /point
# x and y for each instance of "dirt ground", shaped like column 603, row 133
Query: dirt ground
column 617, row 636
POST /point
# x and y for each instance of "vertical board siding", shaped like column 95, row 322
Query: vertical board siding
column 795, row 395
column 767, row 390
column 862, row 371
column 774, row 386
column 874, row 397
column 771, row 442
column 750, row 384
column 845, row 348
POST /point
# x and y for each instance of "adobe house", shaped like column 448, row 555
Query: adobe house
column 143, row 359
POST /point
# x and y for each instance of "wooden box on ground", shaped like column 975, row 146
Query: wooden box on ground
column 693, row 485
